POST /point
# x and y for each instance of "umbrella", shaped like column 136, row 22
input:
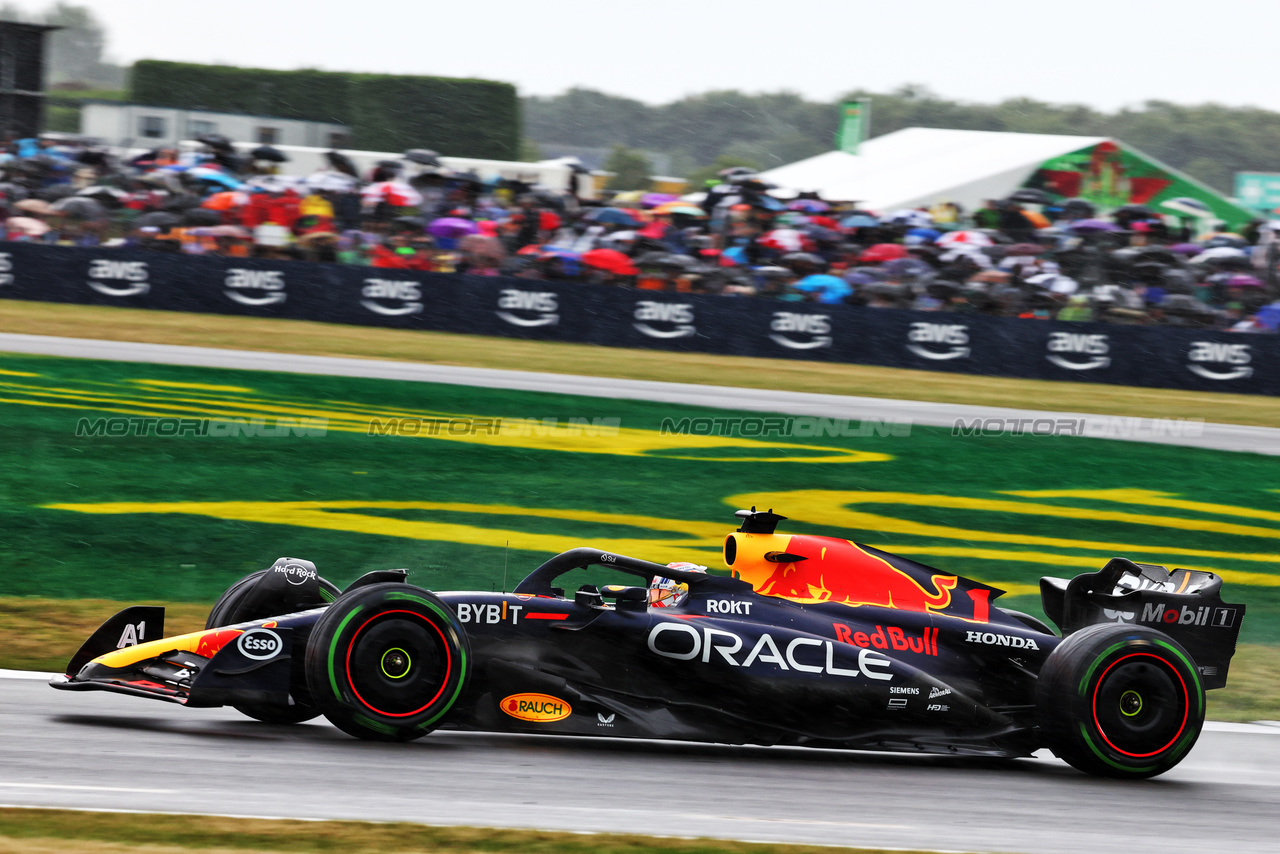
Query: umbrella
column 652, row 200
column 611, row 261
column 859, row 221
column 451, row 226
column 342, row 163
column 216, row 141
column 664, row 259
column 1187, row 248
column 201, row 216
column 1226, row 239
column 732, row 171
column 1187, row 205
column 809, row 206
column 882, row 252
column 783, row 239
column 110, row 196
column 332, row 182
column 1023, row 249
column 1031, row 196
column 223, row 231
column 269, row 153
column 395, row 193
column 682, row 208
column 214, row 176
column 422, row 156
column 1245, row 281
column 27, row 225
column 1078, row 208
column 80, row 207
column 39, row 207
column 277, row 183
column 792, row 258
column 1084, row 225
column 157, row 219
column 904, row 268
column 226, row 200
column 972, row 238
column 612, row 216
column 1037, row 219
column 909, row 217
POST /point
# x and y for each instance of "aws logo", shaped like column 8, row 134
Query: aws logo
column 398, row 298
column 800, row 331
column 953, row 335
column 1094, row 346
column 103, row 272
column 539, row 708
column 270, row 282
column 1215, row 353
column 542, row 304
column 676, row 316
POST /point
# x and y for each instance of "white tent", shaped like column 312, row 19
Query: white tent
column 917, row 167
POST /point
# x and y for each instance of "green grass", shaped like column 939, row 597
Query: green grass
column 39, row 831
column 940, row 498
column 324, row 339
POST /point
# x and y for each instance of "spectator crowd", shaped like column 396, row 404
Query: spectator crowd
column 1029, row 255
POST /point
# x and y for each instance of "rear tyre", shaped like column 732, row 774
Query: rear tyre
column 387, row 662
column 223, row 613
column 1120, row 701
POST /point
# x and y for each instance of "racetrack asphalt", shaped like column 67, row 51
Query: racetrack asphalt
column 1228, row 437
column 108, row 752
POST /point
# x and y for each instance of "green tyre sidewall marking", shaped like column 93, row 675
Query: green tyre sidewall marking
column 333, row 650
column 448, row 620
column 1184, row 744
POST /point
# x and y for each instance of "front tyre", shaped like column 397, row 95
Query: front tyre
column 1120, row 701
column 387, row 662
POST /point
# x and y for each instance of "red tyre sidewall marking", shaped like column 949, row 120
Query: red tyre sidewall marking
column 448, row 665
column 1186, row 705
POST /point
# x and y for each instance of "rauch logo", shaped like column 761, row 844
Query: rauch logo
column 540, row 708
column 1096, row 347
column 799, row 331
column 270, row 282
column 105, row 276
column 398, row 297
column 542, row 304
column 955, row 335
column 678, row 316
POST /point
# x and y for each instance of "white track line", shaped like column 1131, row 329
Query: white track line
column 1226, row 437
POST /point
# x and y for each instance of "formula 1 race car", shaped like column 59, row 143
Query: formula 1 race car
column 812, row 641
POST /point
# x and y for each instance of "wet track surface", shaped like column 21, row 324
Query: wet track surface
column 103, row 751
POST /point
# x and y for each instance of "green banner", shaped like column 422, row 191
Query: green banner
column 855, row 118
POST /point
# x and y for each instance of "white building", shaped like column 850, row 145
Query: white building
column 140, row 126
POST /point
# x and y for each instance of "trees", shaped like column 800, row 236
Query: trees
column 630, row 169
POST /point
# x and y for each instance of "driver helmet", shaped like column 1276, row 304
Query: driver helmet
column 669, row 593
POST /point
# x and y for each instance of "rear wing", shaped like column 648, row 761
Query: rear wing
column 1183, row 603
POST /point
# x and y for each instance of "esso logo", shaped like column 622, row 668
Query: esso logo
column 260, row 644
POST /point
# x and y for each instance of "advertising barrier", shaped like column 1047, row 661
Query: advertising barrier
column 1163, row 357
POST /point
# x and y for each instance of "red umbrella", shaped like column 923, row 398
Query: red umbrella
column 882, row 252
column 611, row 261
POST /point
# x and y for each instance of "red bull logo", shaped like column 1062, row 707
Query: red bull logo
column 826, row 569
column 539, row 708
column 211, row 642
column 926, row 643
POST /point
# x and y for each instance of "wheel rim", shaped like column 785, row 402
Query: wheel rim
column 1140, row 705
column 398, row 663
